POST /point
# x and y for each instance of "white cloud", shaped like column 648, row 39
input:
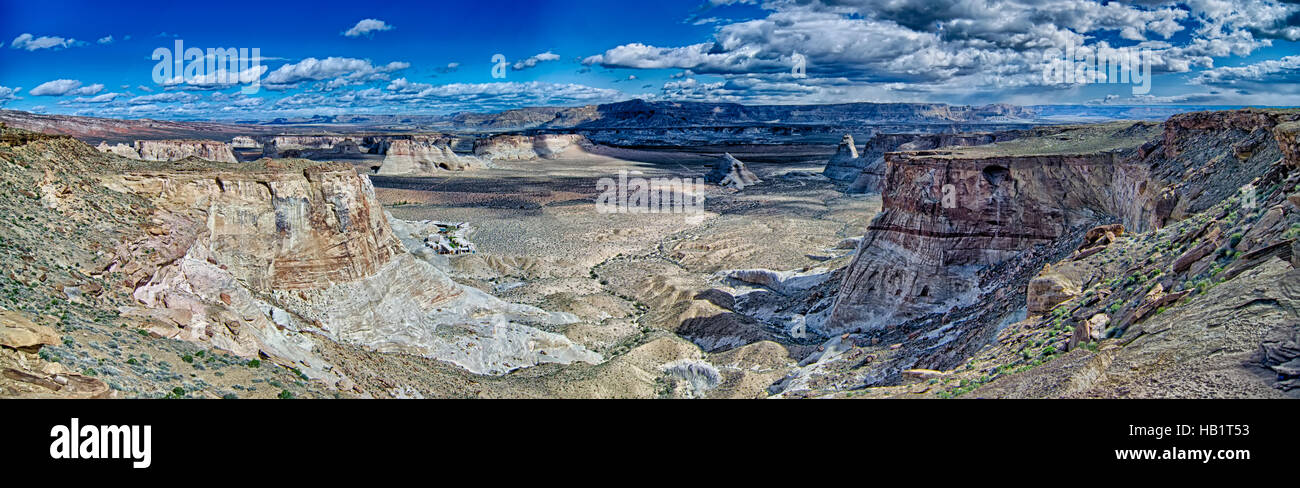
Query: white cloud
column 220, row 78
column 62, row 87
column 341, row 72
column 488, row 96
column 31, row 43
column 105, row 40
column 1284, row 70
column 532, row 61
column 9, row 94
column 102, row 98
column 366, row 27
column 946, row 49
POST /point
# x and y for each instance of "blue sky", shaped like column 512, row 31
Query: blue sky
column 93, row 58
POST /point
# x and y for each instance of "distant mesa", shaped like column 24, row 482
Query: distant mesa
column 172, row 150
column 530, row 148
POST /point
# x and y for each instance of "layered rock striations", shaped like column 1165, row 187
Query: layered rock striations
column 252, row 259
column 948, row 214
column 528, row 148
column 424, row 157
column 867, row 172
column 172, row 150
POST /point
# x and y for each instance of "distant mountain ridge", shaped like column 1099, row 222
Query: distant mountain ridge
column 631, row 114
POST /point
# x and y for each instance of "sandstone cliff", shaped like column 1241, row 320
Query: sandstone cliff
column 172, row 150
column 527, row 148
column 424, row 157
column 1191, row 292
column 947, row 214
column 119, row 149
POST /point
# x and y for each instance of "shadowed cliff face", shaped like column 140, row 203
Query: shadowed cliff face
column 948, row 214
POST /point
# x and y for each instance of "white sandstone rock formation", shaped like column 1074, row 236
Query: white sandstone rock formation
column 119, row 149
column 529, row 148
column 730, row 172
column 174, row 149
column 425, row 157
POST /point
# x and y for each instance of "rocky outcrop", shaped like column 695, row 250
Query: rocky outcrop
column 844, row 165
column 528, row 148
column 1287, row 135
column 731, row 173
column 1048, row 290
column 251, row 260
column 19, row 332
column 245, row 142
column 424, row 157
column 175, row 149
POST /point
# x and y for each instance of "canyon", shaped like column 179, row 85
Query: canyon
column 961, row 252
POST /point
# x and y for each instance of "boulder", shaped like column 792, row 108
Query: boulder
column 1089, row 330
column 1048, row 290
column 424, row 157
column 1102, row 235
column 923, row 374
column 19, row 332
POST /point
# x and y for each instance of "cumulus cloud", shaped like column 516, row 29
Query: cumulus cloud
column 9, row 94
column 106, row 39
column 533, row 61
column 1284, row 70
column 101, row 98
column 32, row 43
column 338, row 71
column 216, row 79
column 367, row 28
column 55, row 88
column 947, row 48
column 488, row 96
column 166, row 97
